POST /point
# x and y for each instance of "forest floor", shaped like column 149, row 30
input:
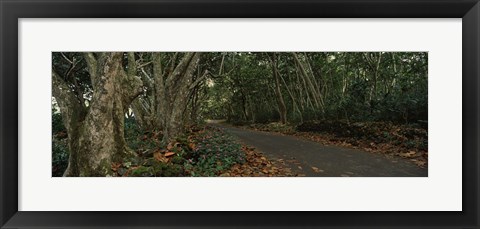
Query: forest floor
column 204, row 150
column 316, row 159
column 217, row 149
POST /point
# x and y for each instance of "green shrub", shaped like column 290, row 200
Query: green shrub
column 137, row 139
column 59, row 145
column 411, row 137
column 59, row 156
column 57, row 123
column 215, row 152
column 142, row 171
column 153, row 168
column 168, row 170
column 131, row 127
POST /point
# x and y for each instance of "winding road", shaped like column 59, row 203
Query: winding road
column 316, row 160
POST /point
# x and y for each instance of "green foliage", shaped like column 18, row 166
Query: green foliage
column 215, row 152
column 142, row 171
column 59, row 156
column 131, row 127
column 152, row 168
column 140, row 142
column 137, row 139
column 57, row 123
column 274, row 127
column 60, row 152
column 369, row 86
column 149, row 167
column 345, row 88
column 80, row 78
column 410, row 137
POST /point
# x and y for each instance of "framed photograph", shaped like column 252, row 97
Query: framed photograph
column 239, row 114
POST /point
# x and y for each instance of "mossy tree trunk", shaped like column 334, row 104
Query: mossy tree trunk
column 172, row 93
column 168, row 90
column 96, row 134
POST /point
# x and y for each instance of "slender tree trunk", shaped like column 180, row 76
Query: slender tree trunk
column 194, row 111
column 160, row 101
column 281, row 103
column 244, row 106
column 143, row 115
column 375, row 67
column 309, row 85
column 294, row 101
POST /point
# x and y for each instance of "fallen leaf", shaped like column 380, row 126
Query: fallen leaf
column 160, row 157
column 409, row 154
column 168, row 154
column 419, row 163
column 170, row 146
column 115, row 166
column 317, row 170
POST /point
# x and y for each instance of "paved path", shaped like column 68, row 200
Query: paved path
column 330, row 161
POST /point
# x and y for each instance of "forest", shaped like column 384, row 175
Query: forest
column 239, row 114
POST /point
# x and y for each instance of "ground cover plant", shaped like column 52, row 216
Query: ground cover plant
column 174, row 114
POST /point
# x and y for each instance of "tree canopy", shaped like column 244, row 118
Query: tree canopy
column 100, row 95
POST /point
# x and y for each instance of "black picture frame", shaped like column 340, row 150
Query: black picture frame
column 11, row 11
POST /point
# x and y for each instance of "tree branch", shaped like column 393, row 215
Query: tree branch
column 92, row 65
column 132, row 85
column 179, row 70
column 147, row 79
column 200, row 79
column 70, row 108
column 132, row 65
column 144, row 64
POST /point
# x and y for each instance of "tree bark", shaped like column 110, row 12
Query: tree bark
column 160, row 93
column 171, row 92
column 282, row 109
column 178, row 88
column 374, row 64
column 73, row 114
column 168, row 93
column 309, row 86
column 98, row 140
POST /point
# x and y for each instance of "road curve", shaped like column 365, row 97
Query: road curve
column 316, row 160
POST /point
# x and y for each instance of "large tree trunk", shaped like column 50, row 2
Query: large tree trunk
column 168, row 90
column 73, row 115
column 178, row 86
column 168, row 93
column 172, row 90
column 98, row 140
